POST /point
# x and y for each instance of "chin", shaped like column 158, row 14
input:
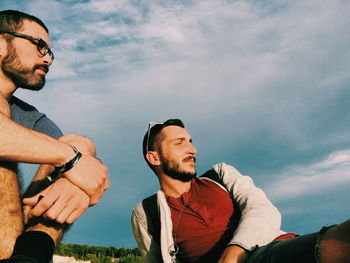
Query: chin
column 191, row 172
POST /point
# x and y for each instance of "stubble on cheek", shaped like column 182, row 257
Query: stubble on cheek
column 22, row 75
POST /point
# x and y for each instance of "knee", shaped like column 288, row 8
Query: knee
column 334, row 244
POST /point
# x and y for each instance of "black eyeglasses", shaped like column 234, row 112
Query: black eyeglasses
column 43, row 48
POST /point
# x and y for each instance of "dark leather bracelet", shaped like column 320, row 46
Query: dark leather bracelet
column 67, row 166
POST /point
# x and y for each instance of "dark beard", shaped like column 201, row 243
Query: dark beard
column 172, row 169
column 22, row 76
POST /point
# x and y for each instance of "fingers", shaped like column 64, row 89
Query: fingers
column 90, row 175
column 99, row 192
column 70, row 214
column 26, row 211
column 74, row 216
column 106, row 184
column 63, row 212
column 63, row 202
column 33, row 201
column 47, row 200
column 102, row 187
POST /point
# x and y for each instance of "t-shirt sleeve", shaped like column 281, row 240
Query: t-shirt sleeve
column 47, row 126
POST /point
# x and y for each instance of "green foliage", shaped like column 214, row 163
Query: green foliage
column 131, row 259
column 98, row 254
column 91, row 257
column 106, row 260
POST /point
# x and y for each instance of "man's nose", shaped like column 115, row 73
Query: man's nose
column 48, row 59
column 192, row 149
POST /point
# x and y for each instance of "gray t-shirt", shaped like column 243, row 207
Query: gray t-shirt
column 28, row 116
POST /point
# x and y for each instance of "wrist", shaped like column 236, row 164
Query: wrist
column 67, row 165
column 64, row 154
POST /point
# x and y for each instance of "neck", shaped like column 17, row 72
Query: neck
column 173, row 187
column 7, row 87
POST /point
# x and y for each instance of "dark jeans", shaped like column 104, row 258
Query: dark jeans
column 301, row 249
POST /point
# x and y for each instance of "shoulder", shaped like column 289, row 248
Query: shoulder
column 146, row 216
column 221, row 174
column 139, row 214
column 18, row 104
column 226, row 175
column 24, row 113
column 28, row 116
column 219, row 171
column 221, row 168
column 145, row 207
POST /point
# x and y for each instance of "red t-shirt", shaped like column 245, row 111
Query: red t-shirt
column 203, row 221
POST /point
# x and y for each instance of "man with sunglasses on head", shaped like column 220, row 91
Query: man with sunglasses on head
column 219, row 217
column 69, row 178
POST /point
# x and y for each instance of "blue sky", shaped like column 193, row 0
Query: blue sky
column 261, row 85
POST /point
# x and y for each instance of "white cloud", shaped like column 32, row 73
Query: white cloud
column 47, row 10
column 102, row 6
column 247, row 62
column 302, row 180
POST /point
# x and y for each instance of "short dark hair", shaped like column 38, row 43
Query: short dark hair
column 152, row 136
column 12, row 21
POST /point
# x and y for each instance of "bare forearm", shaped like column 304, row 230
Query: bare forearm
column 20, row 144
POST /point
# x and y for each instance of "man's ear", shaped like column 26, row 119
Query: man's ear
column 153, row 158
column 3, row 47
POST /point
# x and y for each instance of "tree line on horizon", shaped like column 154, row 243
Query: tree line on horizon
column 99, row 254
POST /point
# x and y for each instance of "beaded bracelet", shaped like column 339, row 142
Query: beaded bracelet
column 67, row 166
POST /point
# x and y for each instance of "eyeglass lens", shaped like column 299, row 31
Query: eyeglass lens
column 44, row 49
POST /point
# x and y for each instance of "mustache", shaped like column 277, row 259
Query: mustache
column 43, row 67
column 189, row 158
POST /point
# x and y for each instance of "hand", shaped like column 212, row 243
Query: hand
column 89, row 173
column 233, row 254
column 63, row 202
column 38, row 184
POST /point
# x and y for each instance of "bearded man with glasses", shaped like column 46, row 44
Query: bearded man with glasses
column 69, row 179
column 219, row 217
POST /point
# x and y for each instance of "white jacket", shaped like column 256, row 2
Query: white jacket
column 259, row 223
